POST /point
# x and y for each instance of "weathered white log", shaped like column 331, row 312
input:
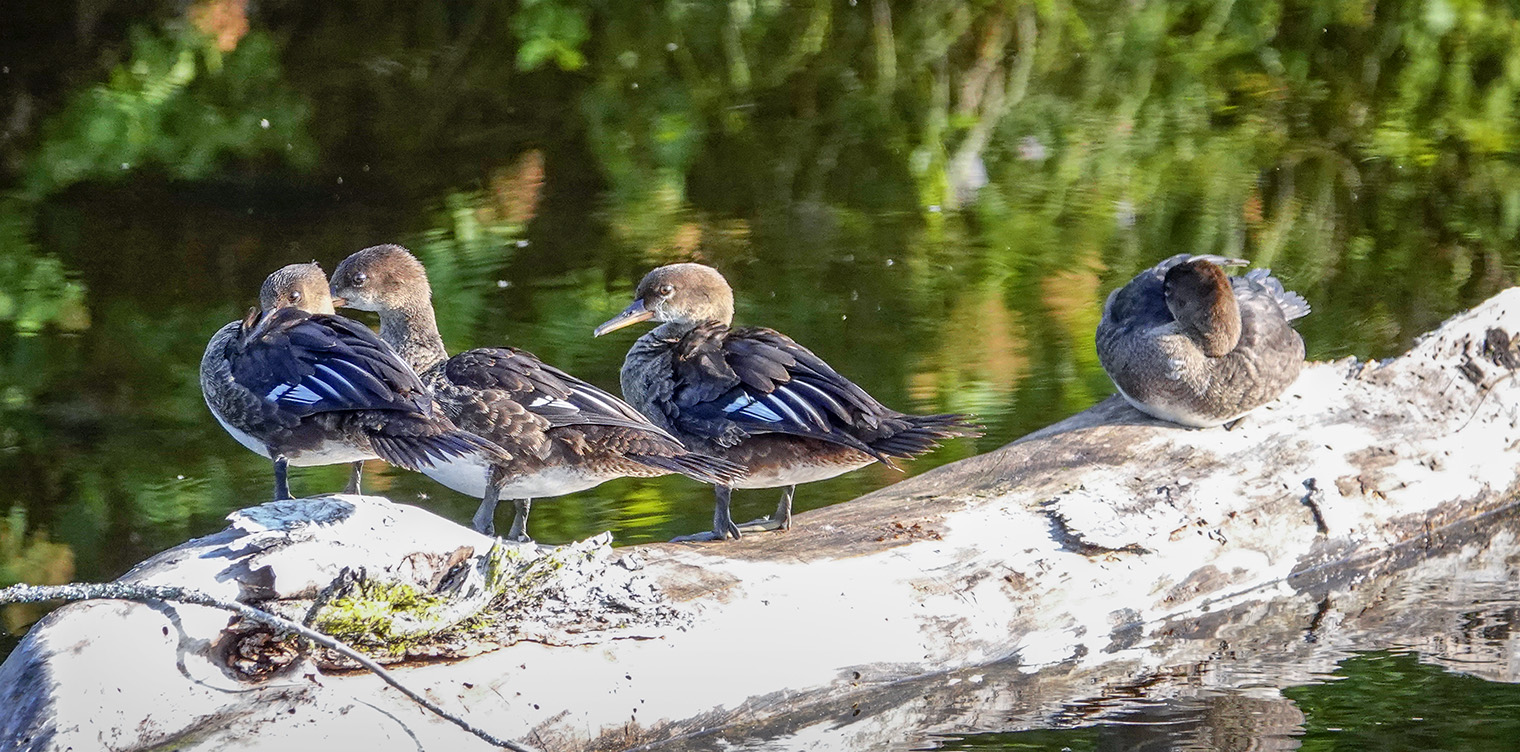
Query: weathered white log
column 1106, row 550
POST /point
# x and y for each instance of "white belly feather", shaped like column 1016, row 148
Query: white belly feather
column 244, row 438
column 1179, row 415
column 794, row 475
column 467, row 475
column 329, row 453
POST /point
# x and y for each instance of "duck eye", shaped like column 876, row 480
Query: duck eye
column 665, row 290
column 295, row 295
column 360, row 278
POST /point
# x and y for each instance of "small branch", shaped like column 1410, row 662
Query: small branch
column 143, row 593
column 1312, row 500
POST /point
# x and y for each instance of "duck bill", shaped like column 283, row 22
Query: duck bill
column 631, row 315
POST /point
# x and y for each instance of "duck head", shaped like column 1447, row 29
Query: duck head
column 1199, row 295
column 682, row 294
column 302, row 286
column 382, row 278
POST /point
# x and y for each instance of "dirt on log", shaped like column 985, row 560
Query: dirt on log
column 1107, row 551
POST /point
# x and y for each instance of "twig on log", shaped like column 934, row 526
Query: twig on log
column 79, row 591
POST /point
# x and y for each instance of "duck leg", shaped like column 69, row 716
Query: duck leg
column 781, row 520
column 281, row 478
column 353, row 478
column 519, row 531
column 723, row 521
column 484, row 520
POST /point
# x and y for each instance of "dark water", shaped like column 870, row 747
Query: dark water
column 936, row 199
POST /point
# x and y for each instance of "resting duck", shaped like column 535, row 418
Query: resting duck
column 563, row 434
column 302, row 386
column 1186, row 343
column 755, row 397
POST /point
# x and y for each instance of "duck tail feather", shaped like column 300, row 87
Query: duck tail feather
column 925, row 432
column 702, row 467
column 1292, row 304
column 420, row 452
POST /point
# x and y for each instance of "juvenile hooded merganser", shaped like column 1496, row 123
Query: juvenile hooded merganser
column 1186, row 343
column 754, row 396
column 564, row 435
column 302, row 386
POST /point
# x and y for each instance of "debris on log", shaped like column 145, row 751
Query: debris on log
column 1106, row 553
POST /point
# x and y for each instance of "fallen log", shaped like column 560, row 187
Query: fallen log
column 1107, row 551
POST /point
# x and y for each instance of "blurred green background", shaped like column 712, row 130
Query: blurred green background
column 935, row 196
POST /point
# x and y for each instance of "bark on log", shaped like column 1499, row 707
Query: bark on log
column 1107, row 551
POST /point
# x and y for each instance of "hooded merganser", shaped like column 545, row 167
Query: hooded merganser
column 1186, row 343
column 302, row 386
column 564, row 434
column 754, row 396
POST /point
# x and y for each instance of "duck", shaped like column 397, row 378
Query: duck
column 1186, row 342
column 564, row 434
column 755, row 397
column 300, row 385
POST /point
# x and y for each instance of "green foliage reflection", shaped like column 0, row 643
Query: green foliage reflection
column 1362, row 152
column 183, row 102
column 1392, row 701
column 180, row 104
column 35, row 290
column 29, row 558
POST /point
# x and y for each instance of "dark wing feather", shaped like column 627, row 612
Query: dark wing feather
column 314, row 363
column 734, row 382
column 543, row 390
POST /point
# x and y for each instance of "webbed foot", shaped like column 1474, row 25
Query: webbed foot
column 519, row 531
column 780, row 520
column 765, row 524
column 702, row 537
column 723, row 522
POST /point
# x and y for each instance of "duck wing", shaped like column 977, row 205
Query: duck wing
column 307, row 363
column 542, row 389
column 730, row 383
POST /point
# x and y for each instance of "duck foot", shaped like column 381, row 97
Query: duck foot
column 765, row 524
column 724, row 530
column 702, row 537
column 723, row 522
column 780, row 520
column 519, row 531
